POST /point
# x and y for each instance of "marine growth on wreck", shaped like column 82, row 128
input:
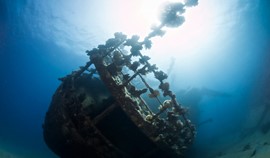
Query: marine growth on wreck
column 103, row 109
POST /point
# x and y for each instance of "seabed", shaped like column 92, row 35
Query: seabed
column 256, row 145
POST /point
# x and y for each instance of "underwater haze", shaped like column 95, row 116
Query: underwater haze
column 217, row 61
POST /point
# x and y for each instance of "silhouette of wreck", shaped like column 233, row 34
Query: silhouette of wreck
column 98, row 111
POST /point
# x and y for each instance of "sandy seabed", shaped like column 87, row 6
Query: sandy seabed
column 10, row 150
column 256, row 145
column 5, row 154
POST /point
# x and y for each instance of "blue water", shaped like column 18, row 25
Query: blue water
column 42, row 41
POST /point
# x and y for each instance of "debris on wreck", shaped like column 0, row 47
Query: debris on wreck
column 97, row 111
